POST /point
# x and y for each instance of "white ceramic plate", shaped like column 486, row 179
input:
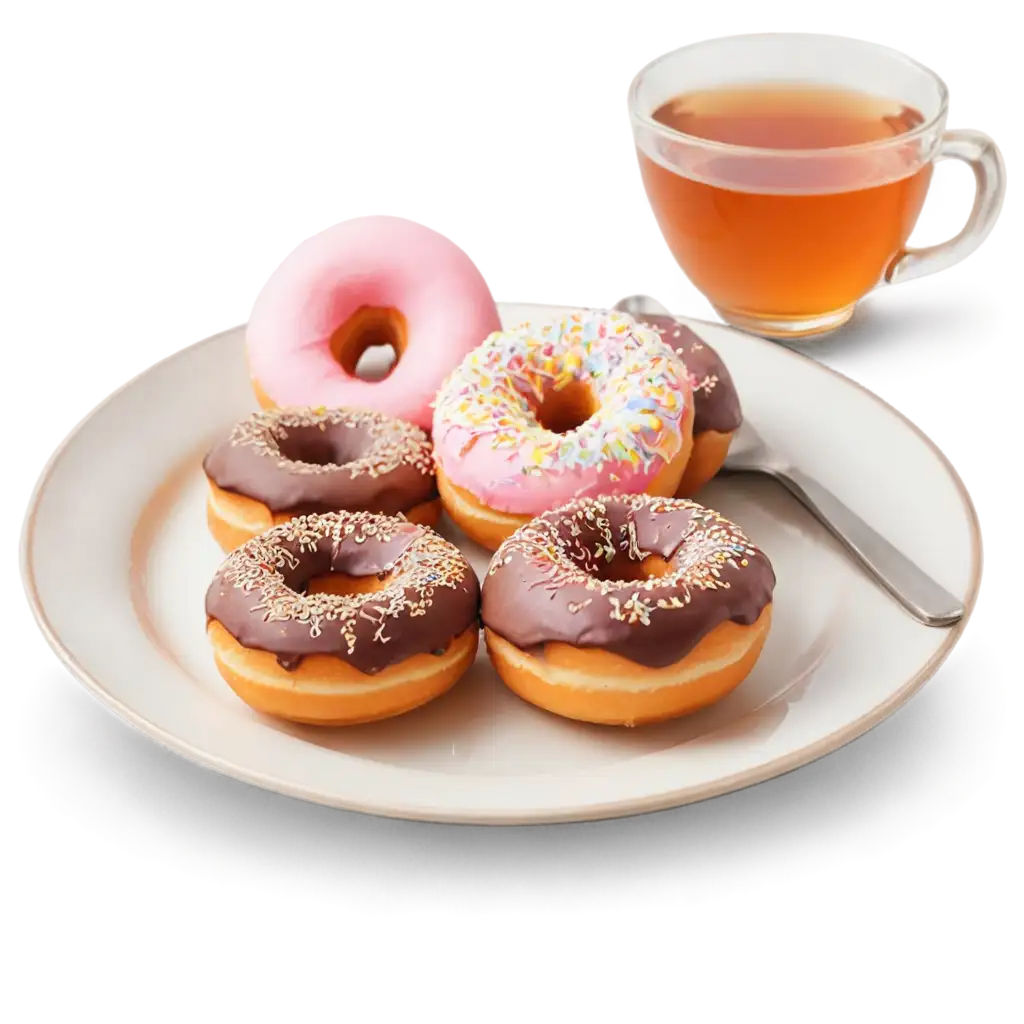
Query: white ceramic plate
column 117, row 559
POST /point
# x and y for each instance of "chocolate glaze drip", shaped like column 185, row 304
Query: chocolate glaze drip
column 432, row 595
column 660, row 530
column 330, row 474
column 548, row 582
column 716, row 405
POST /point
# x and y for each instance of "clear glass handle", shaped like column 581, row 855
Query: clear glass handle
column 982, row 155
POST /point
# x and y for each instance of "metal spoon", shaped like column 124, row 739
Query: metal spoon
column 928, row 601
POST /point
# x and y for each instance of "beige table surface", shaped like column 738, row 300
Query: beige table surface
column 151, row 164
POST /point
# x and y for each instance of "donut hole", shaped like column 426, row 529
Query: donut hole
column 623, row 569
column 567, row 408
column 343, row 584
column 370, row 342
column 321, row 446
column 376, row 362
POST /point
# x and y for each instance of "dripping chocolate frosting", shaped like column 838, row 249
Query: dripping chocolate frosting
column 429, row 593
column 575, row 575
column 298, row 461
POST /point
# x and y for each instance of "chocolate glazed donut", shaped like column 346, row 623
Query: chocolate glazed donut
column 342, row 618
column 626, row 610
column 289, row 462
column 716, row 405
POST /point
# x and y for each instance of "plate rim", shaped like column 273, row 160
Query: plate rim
column 626, row 807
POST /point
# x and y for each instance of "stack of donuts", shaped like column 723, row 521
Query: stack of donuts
column 569, row 449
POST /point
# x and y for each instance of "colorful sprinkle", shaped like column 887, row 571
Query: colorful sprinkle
column 690, row 345
column 641, row 387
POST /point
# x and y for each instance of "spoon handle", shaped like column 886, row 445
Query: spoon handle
column 913, row 588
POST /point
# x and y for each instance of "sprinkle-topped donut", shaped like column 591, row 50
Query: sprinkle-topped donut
column 285, row 462
column 403, row 609
column 588, row 404
column 716, row 403
column 626, row 609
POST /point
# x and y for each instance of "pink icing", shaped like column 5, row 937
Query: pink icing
column 369, row 261
column 494, row 478
column 487, row 438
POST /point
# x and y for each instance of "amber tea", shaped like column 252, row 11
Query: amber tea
column 788, row 238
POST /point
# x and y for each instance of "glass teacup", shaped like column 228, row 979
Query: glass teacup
column 787, row 171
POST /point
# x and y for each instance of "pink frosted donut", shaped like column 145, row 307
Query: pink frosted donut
column 368, row 281
column 592, row 404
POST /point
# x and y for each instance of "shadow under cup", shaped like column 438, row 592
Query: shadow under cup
column 784, row 238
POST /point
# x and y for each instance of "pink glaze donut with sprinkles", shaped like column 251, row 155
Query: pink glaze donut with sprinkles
column 590, row 404
column 366, row 282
